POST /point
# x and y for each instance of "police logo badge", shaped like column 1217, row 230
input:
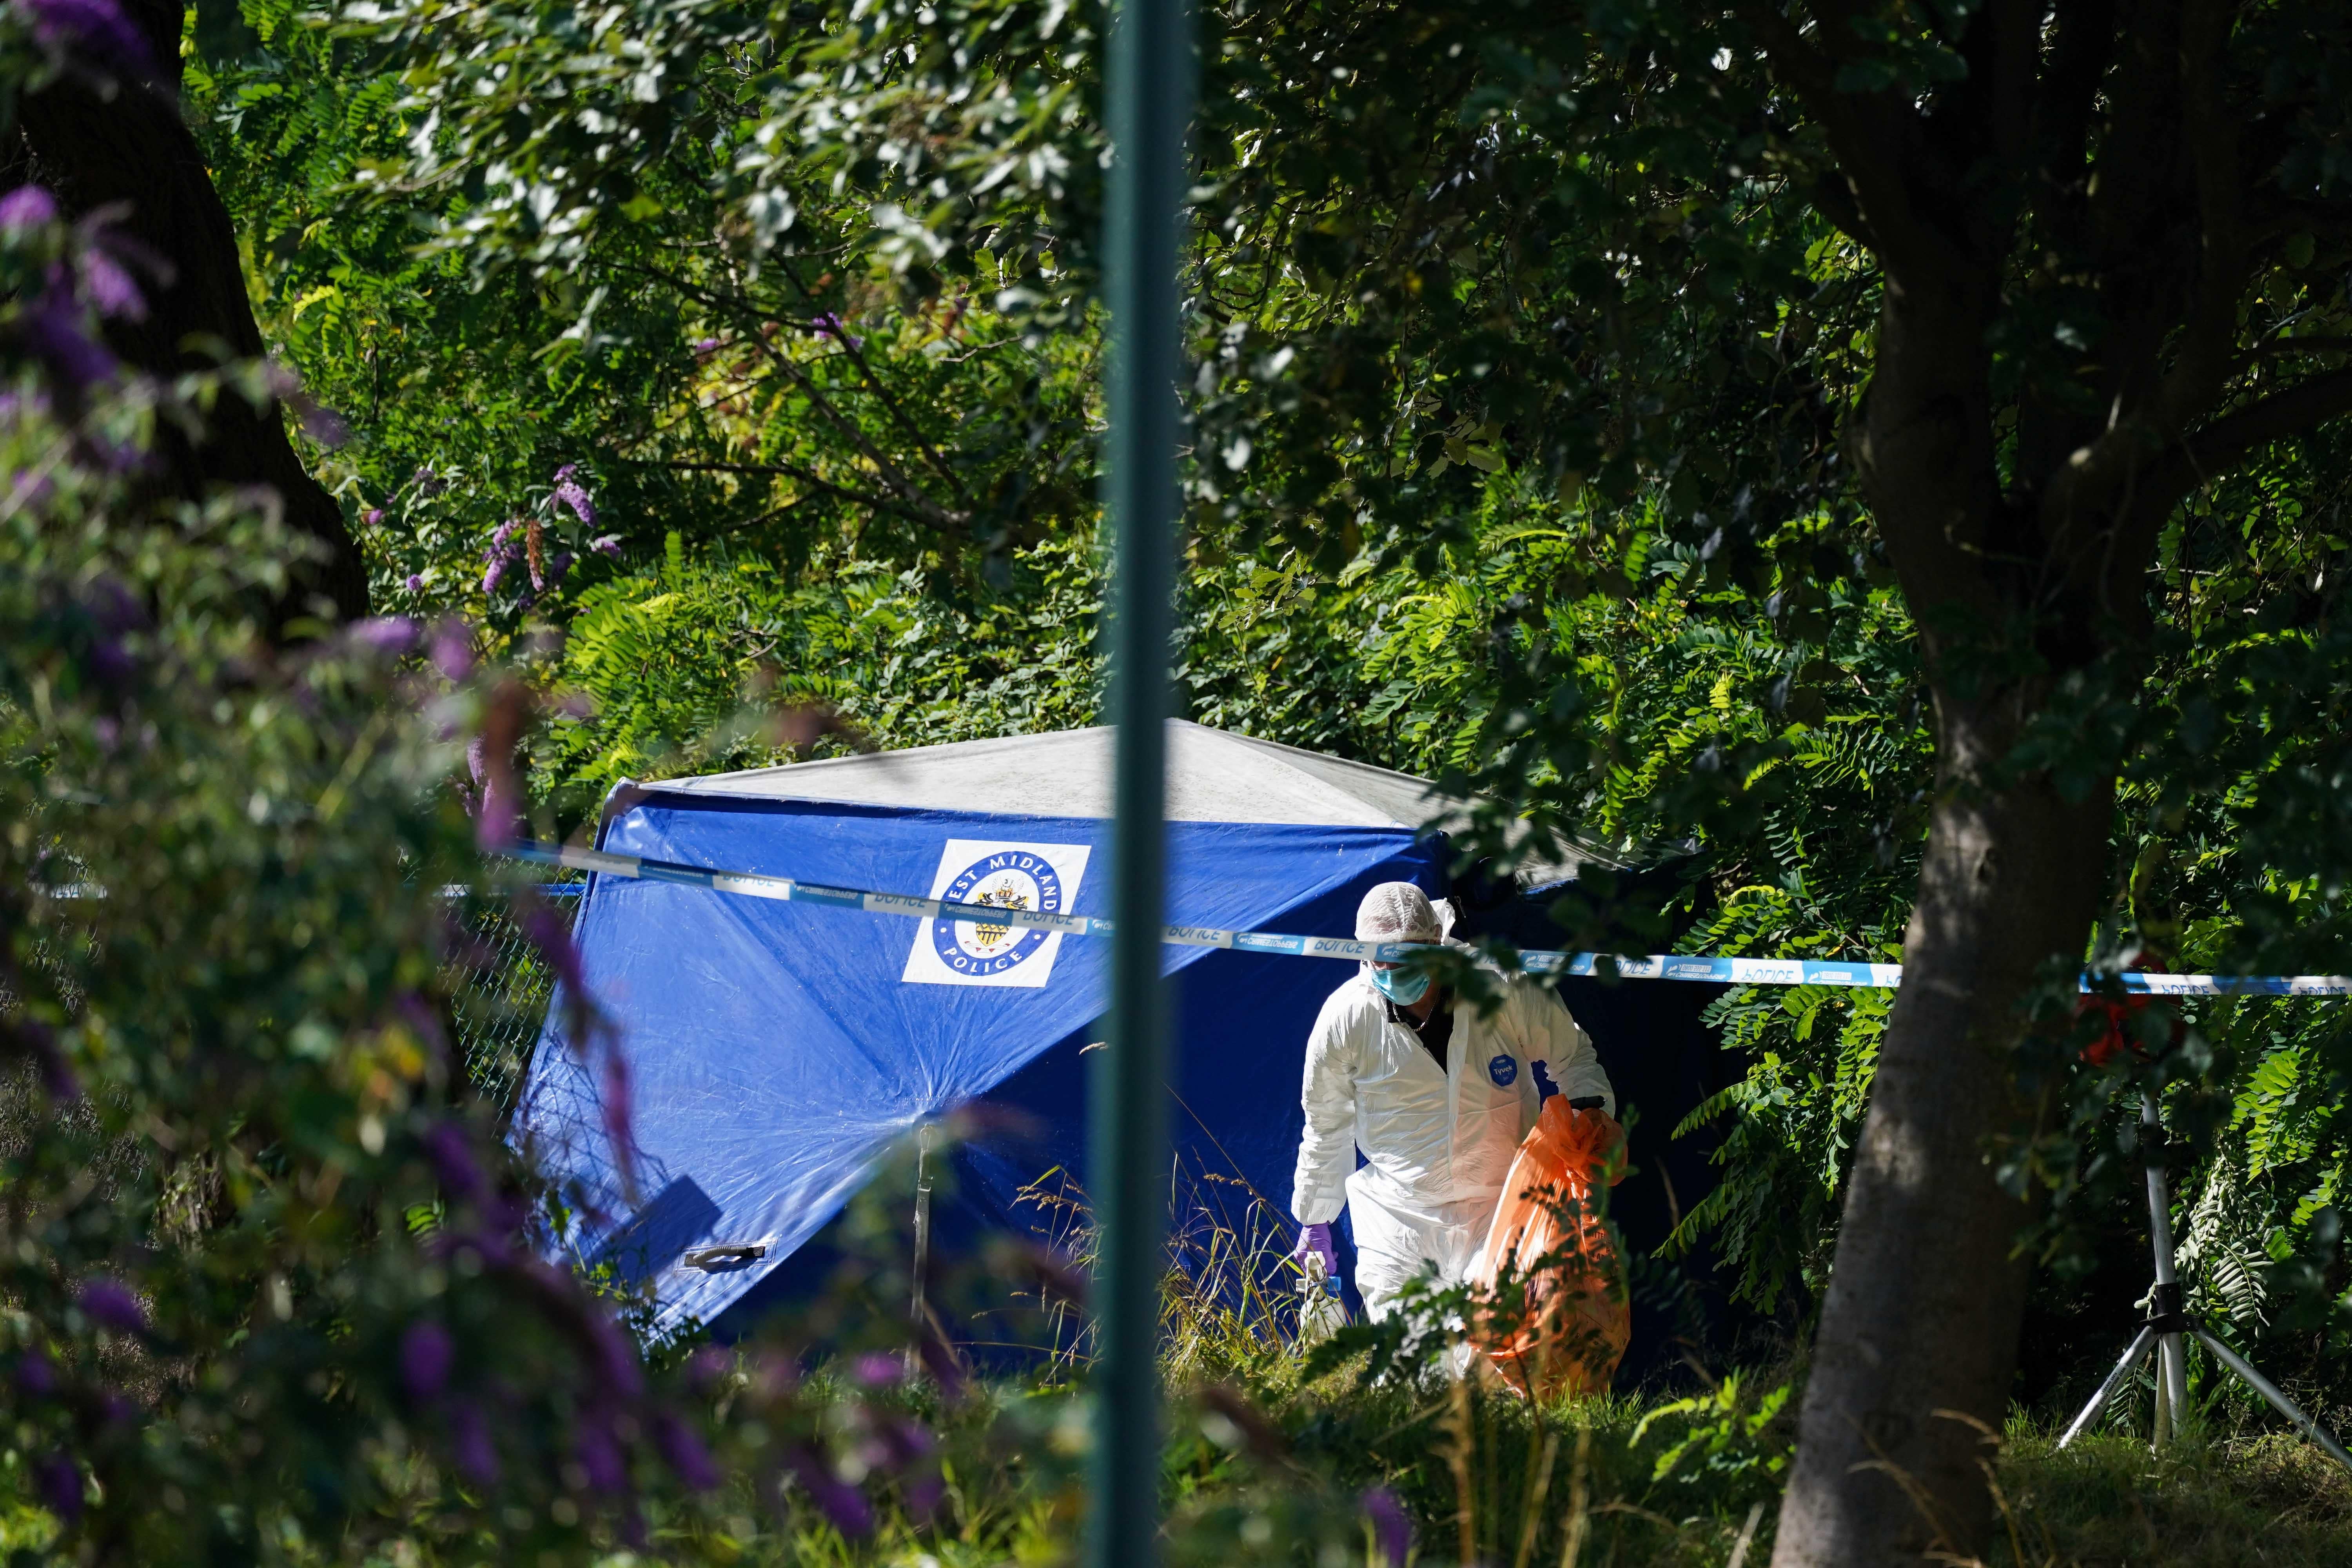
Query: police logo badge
column 1043, row 878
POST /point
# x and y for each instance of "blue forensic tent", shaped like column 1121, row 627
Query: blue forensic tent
column 774, row 1050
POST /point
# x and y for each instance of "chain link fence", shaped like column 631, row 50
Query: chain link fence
column 499, row 986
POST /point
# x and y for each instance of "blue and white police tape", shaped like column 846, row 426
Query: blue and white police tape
column 1654, row 966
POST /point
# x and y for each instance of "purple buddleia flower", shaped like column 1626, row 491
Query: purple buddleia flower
column 839, row 1502
column 570, row 493
column 496, row 573
column 386, row 634
column 617, row 1368
column 427, row 1353
column 320, row 423
column 500, row 536
column 615, row 1096
column 558, row 565
column 52, row 325
column 599, row 1458
column 615, row 1105
column 896, row 1444
column 606, row 544
column 1392, row 1526
column 109, row 662
column 682, row 1449
column 776, row 1377
column 829, row 326
column 876, row 1369
column 504, row 1216
column 372, row 517
column 421, row 1022
column 57, row 1073
column 709, row 1368
column 97, row 27
column 495, row 823
column 546, row 930
column 940, row 1359
column 453, row 1161
column 108, row 287
column 912, row 1439
column 414, row 582
column 470, row 1445
column 114, row 610
column 114, row 457
column 37, row 1375
column 57, row 1480
column 110, row 1304
column 453, row 645
column 26, row 208
column 113, row 606
column 924, row 1494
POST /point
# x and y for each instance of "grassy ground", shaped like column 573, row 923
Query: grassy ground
column 1591, row 1484
column 1266, row 1466
column 1283, row 1477
column 2108, row 1502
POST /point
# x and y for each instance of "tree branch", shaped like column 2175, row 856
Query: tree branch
column 2230, row 440
column 2088, row 501
column 2015, row 47
column 899, row 417
column 2079, row 56
column 914, row 501
column 1868, row 134
column 2280, row 346
column 815, row 480
column 2210, row 137
column 2139, row 146
column 2217, row 449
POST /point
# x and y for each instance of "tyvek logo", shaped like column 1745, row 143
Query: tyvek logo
column 1039, row 878
column 1544, row 1088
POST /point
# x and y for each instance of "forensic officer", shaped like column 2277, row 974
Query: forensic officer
column 1437, row 1098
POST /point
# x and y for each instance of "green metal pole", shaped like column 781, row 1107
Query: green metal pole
column 1148, row 97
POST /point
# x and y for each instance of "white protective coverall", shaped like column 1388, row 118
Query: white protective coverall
column 1438, row 1143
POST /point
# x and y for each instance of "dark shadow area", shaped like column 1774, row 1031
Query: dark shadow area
column 1665, row 1063
column 674, row 1218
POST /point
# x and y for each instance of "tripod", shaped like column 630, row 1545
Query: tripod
column 2168, row 1327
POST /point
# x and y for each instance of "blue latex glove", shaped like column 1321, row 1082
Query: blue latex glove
column 1316, row 1239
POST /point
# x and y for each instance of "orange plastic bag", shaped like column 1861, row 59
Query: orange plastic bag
column 1562, row 1324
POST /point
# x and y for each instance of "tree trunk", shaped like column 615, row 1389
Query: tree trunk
column 133, row 147
column 1918, row 1332
column 1916, row 1349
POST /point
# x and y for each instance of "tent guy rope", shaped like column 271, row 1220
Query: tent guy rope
column 1652, row 966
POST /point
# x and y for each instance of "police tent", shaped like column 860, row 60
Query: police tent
column 770, row 1053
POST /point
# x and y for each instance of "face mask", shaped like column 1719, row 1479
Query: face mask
column 1402, row 986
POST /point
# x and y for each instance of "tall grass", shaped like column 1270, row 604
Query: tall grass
column 1271, row 1460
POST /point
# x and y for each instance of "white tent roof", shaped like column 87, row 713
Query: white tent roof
column 1213, row 776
